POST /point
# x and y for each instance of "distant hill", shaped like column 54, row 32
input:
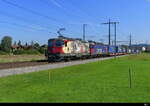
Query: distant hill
column 140, row 45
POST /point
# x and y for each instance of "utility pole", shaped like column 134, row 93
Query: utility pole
column 109, row 31
column 115, row 23
column 109, row 38
column 84, row 30
column 130, row 42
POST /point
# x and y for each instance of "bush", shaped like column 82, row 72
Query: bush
column 41, row 50
column 17, row 52
column 4, row 53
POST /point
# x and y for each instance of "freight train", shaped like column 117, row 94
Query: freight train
column 63, row 48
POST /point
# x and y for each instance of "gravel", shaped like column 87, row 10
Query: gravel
column 15, row 71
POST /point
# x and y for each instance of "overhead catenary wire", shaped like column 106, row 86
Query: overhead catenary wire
column 122, row 35
column 62, row 8
column 28, row 22
column 26, row 9
column 82, row 10
column 30, row 10
column 93, row 28
column 82, row 13
column 24, row 26
column 23, row 20
column 34, row 12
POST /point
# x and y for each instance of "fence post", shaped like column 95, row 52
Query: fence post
column 49, row 75
column 130, row 78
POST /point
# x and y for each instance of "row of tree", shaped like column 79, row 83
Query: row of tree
column 7, row 47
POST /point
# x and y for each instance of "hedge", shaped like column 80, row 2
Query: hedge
column 17, row 52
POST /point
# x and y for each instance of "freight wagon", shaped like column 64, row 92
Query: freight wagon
column 98, row 50
column 112, row 50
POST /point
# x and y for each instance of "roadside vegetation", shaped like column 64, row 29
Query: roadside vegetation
column 18, row 52
column 7, row 47
column 103, row 81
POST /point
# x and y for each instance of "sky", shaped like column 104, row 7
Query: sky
column 39, row 20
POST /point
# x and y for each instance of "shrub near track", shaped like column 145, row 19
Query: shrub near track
column 103, row 81
column 19, row 52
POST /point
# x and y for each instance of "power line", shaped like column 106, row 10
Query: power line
column 22, row 19
column 29, row 10
column 48, row 4
column 63, row 9
column 15, row 24
column 81, row 10
column 93, row 28
column 24, row 26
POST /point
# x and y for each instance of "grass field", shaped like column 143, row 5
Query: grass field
column 103, row 82
column 20, row 58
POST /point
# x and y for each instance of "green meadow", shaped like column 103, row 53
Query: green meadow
column 103, row 82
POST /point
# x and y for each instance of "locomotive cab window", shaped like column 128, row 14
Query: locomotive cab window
column 59, row 43
column 50, row 43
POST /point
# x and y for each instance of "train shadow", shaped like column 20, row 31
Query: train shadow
column 40, row 61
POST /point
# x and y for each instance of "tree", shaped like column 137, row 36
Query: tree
column 19, row 43
column 26, row 44
column 6, row 44
column 43, row 49
column 0, row 47
column 36, row 46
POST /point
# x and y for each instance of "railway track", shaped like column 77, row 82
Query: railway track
column 34, row 63
column 11, row 65
column 28, row 67
column 21, row 64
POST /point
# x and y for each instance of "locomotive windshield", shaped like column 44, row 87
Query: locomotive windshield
column 59, row 43
column 50, row 44
column 56, row 43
